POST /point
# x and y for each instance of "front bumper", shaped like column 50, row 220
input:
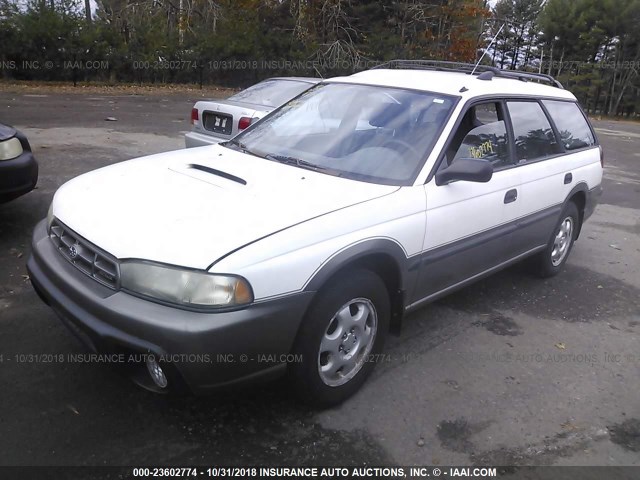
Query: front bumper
column 199, row 351
column 18, row 176
column 195, row 139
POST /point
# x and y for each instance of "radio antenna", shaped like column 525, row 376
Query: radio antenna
column 486, row 49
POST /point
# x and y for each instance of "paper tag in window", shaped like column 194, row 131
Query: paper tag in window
column 438, row 100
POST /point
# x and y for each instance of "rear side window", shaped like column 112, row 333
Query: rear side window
column 532, row 131
column 572, row 126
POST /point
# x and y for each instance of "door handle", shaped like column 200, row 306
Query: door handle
column 511, row 196
column 568, row 178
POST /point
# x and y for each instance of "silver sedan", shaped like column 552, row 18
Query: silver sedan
column 216, row 121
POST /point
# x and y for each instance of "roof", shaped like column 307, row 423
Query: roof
column 451, row 83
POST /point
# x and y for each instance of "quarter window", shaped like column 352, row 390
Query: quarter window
column 572, row 126
column 534, row 137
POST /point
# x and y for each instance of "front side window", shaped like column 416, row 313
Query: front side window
column 369, row 133
column 482, row 134
column 534, row 137
column 572, row 126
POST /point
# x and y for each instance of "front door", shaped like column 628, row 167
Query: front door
column 470, row 225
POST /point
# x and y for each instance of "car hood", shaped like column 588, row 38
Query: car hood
column 6, row 132
column 191, row 207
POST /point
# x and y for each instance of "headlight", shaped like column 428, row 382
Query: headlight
column 9, row 149
column 184, row 287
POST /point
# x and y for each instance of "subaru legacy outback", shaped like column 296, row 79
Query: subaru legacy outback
column 297, row 246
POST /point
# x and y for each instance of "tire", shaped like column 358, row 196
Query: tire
column 325, row 379
column 550, row 261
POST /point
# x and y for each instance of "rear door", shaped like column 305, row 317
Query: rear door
column 552, row 157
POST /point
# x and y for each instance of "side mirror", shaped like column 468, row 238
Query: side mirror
column 467, row 170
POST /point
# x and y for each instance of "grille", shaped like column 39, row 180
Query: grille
column 84, row 256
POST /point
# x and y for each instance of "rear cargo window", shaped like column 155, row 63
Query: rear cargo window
column 573, row 127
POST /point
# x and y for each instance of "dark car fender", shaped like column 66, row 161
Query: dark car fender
column 586, row 200
column 384, row 256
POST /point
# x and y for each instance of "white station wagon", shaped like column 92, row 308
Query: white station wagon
column 297, row 246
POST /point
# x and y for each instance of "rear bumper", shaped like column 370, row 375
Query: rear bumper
column 195, row 139
column 18, row 176
column 199, row 351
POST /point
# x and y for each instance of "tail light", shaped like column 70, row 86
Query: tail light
column 244, row 122
column 194, row 116
column 601, row 156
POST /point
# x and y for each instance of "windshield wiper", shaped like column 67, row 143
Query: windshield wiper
column 296, row 161
column 241, row 146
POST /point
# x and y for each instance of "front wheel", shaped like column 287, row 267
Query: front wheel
column 550, row 261
column 344, row 329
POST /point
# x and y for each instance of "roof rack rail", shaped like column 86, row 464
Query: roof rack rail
column 468, row 68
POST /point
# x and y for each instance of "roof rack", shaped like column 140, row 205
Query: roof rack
column 470, row 69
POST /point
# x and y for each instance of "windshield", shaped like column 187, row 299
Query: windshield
column 374, row 134
column 271, row 93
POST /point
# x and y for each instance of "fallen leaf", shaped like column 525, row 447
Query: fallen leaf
column 560, row 345
column 569, row 426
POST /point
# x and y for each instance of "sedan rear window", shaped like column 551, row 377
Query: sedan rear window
column 271, row 93
column 369, row 133
column 572, row 126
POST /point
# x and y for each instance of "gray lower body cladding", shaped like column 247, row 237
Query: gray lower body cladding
column 202, row 351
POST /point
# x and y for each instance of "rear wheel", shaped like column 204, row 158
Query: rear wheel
column 550, row 261
column 345, row 327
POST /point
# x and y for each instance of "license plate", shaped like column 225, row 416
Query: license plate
column 218, row 122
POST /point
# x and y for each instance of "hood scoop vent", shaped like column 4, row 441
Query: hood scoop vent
column 219, row 173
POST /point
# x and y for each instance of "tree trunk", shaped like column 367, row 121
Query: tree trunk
column 516, row 49
column 561, row 60
column 180, row 24
column 87, row 10
column 612, row 94
column 625, row 84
